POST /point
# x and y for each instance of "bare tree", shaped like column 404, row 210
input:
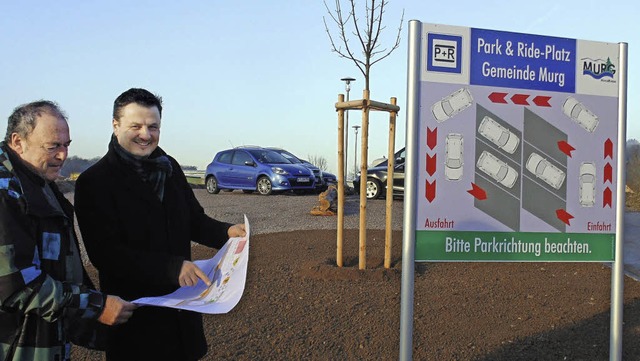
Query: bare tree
column 319, row 161
column 367, row 33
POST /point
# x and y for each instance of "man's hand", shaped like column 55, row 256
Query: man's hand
column 237, row 230
column 190, row 273
column 116, row 311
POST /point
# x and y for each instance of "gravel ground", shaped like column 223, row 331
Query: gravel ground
column 285, row 212
column 297, row 305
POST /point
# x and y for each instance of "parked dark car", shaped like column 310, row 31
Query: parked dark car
column 323, row 179
column 256, row 169
column 377, row 178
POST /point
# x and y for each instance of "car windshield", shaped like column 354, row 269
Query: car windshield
column 504, row 137
column 502, row 173
column 575, row 112
column 269, row 156
column 446, row 106
column 291, row 158
column 454, row 163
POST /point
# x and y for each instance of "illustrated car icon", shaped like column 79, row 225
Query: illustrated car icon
column 451, row 105
column 580, row 114
column 497, row 169
column 587, row 182
column 544, row 170
column 498, row 135
column 453, row 160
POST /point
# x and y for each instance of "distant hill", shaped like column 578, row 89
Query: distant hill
column 633, row 165
column 78, row 165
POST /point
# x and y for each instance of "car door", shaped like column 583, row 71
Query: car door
column 398, row 178
column 244, row 170
column 224, row 169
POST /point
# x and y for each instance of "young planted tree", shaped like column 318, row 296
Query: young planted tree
column 365, row 51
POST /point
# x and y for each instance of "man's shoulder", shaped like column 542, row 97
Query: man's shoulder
column 100, row 170
column 10, row 185
column 9, row 182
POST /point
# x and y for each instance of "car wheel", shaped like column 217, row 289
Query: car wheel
column 374, row 188
column 264, row 186
column 212, row 185
column 247, row 191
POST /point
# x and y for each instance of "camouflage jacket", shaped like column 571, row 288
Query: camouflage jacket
column 43, row 285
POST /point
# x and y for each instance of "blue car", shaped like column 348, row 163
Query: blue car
column 256, row 169
column 323, row 178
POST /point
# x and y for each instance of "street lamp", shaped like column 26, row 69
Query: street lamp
column 347, row 85
column 355, row 157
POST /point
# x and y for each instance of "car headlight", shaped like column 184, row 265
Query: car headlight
column 278, row 170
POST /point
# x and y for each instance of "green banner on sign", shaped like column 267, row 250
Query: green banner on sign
column 514, row 246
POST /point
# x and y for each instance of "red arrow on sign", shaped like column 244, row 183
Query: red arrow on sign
column 432, row 138
column 430, row 191
column 608, row 148
column 542, row 101
column 431, row 164
column 496, row 97
column 520, row 99
column 477, row 192
column 606, row 197
column 564, row 216
column 608, row 173
column 565, row 147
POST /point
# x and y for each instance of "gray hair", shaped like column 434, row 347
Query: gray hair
column 24, row 117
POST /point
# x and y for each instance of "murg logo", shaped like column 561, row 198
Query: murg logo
column 598, row 68
column 444, row 53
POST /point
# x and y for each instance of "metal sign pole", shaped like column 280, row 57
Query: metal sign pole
column 411, row 176
column 617, row 274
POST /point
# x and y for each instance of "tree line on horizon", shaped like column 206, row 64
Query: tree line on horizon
column 77, row 165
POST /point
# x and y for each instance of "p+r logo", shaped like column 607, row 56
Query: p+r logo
column 444, row 53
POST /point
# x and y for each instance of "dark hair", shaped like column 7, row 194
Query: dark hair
column 24, row 117
column 138, row 96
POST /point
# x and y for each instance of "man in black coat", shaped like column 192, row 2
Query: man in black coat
column 46, row 297
column 138, row 216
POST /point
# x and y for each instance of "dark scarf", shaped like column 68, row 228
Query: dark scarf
column 153, row 169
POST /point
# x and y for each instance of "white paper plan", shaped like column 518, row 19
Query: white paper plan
column 227, row 271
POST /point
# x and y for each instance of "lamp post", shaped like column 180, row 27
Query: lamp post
column 347, row 85
column 355, row 156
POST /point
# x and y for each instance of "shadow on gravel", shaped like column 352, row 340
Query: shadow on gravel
column 567, row 343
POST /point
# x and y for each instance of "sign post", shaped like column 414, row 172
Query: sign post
column 515, row 153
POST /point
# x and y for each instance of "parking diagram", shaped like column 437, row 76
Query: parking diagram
column 498, row 167
column 528, row 174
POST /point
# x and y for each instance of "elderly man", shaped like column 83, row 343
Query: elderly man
column 45, row 294
column 139, row 215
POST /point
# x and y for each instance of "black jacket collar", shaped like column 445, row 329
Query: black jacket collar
column 130, row 179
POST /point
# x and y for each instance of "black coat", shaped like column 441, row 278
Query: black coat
column 138, row 244
column 42, row 281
